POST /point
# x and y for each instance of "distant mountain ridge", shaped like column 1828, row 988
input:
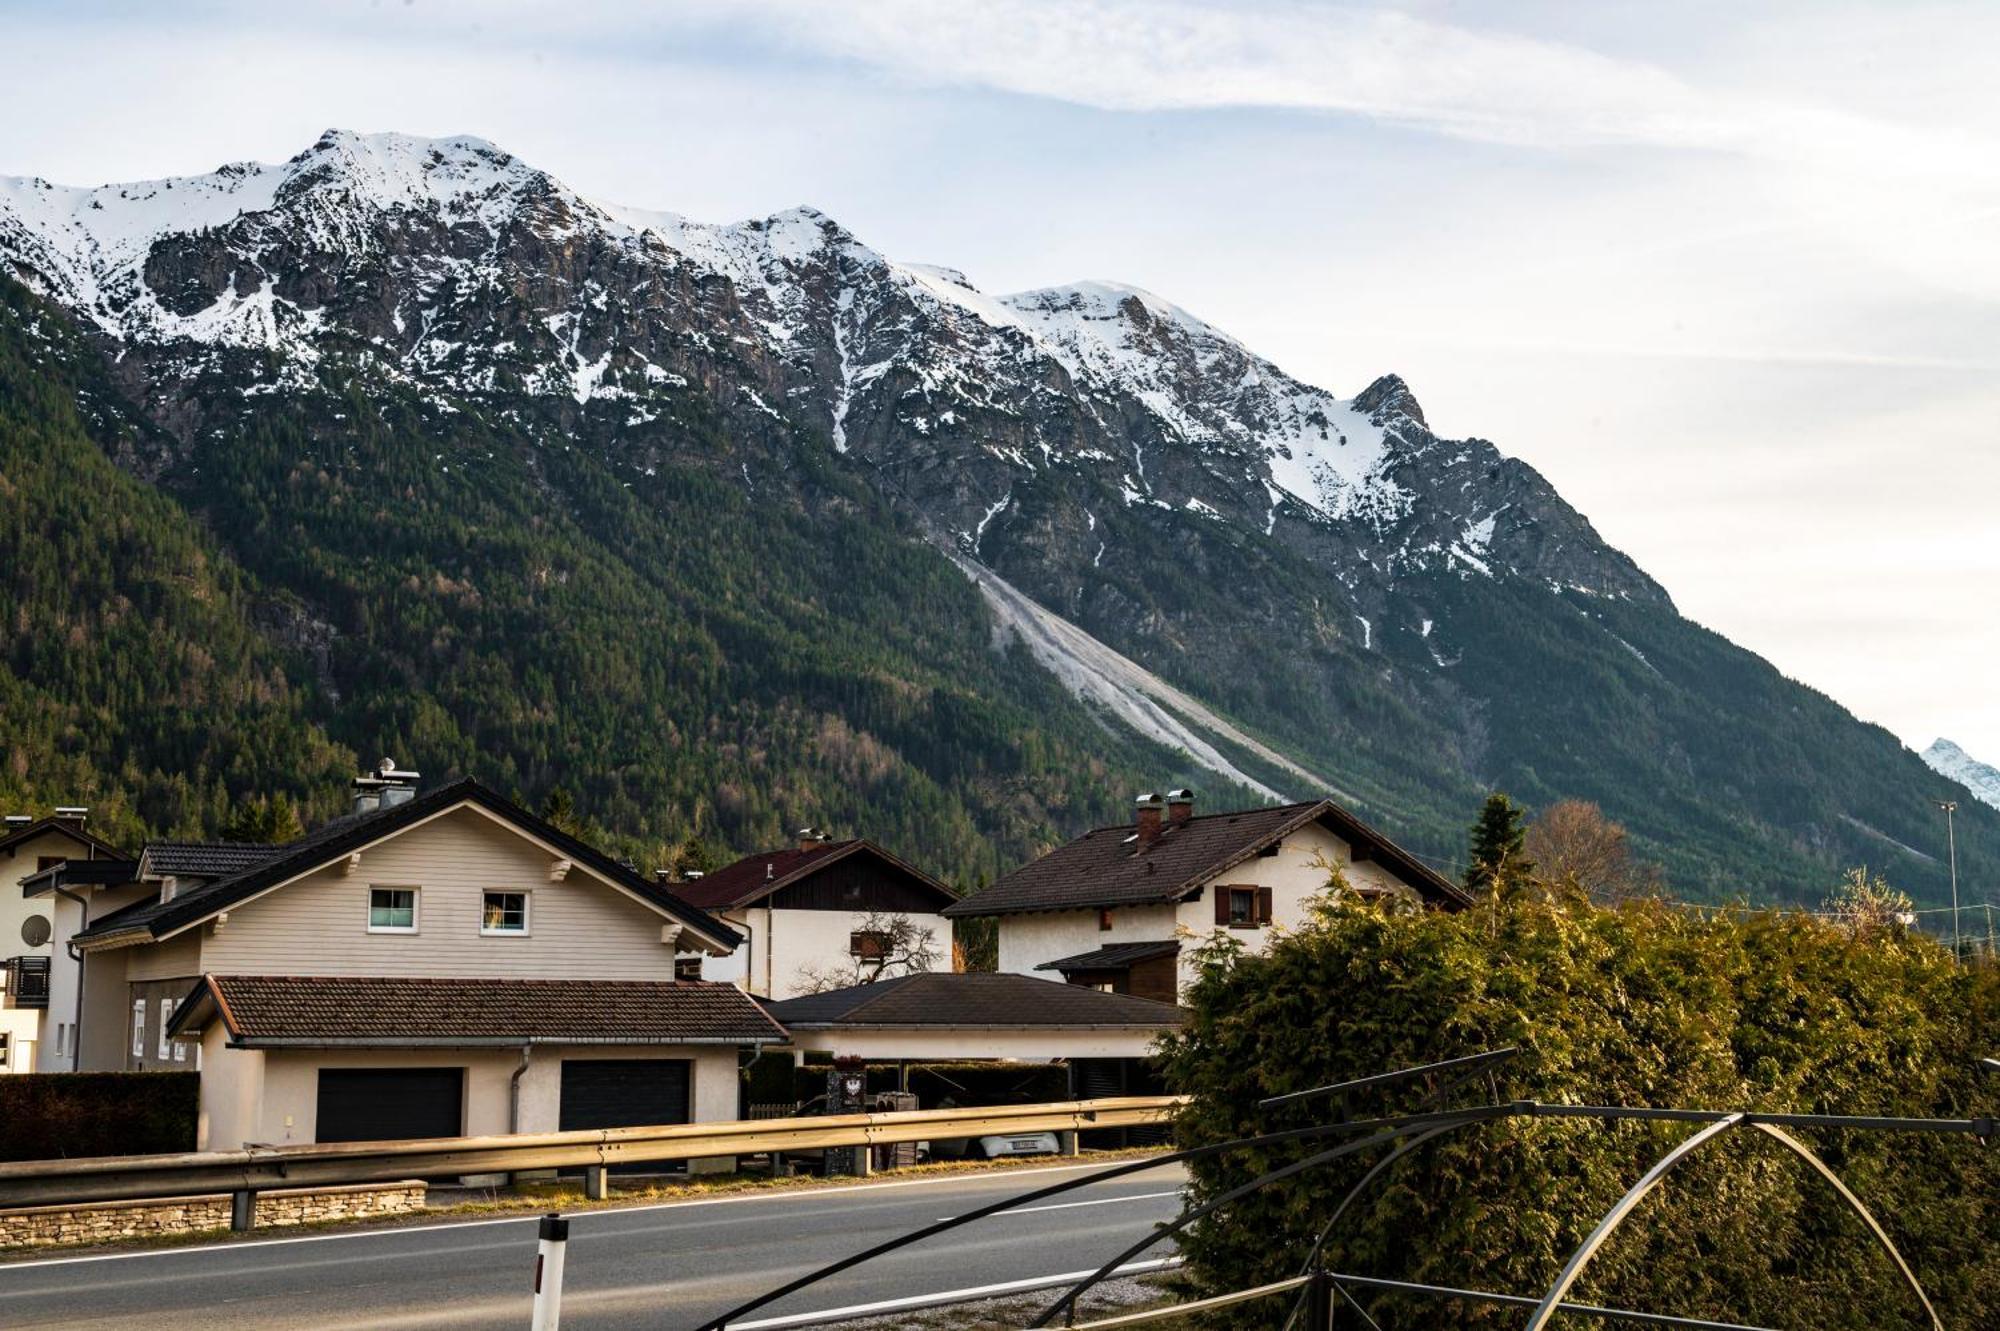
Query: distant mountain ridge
column 1982, row 779
column 1304, row 589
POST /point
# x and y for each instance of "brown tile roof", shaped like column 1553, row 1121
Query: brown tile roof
column 1115, row 957
column 756, row 876
column 973, row 1000
column 312, row 1010
column 1108, row 867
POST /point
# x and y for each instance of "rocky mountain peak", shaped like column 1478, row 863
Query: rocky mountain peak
column 1387, row 398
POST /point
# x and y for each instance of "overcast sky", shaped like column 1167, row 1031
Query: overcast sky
column 1730, row 280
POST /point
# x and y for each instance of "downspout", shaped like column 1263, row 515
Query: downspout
column 69, row 946
column 514, row 1090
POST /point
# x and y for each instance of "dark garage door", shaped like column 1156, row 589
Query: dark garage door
column 383, row 1104
column 623, row 1092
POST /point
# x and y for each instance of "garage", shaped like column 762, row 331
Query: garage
column 624, row 1092
column 387, row 1104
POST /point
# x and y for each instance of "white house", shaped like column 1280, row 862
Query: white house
column 1119, row 907
column 821, row 912
column 431, row 965
column 28, row 846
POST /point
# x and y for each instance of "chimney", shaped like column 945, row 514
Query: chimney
column 14, row 819
column 1148, row 805
column 810, row 837
column 72, row 813
column 1180, row 806
column 367, row 793
column 398, row 786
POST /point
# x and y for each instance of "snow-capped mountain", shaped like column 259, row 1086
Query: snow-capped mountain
column 1982, row 779
column 1295, row 588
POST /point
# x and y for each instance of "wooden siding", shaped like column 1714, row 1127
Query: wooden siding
column 319, row 924
column 857, row 882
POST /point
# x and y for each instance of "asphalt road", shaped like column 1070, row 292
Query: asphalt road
column 665, row 1266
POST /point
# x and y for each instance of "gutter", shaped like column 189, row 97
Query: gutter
column 514, row 1089
column 485, row 1041
column 75, row 955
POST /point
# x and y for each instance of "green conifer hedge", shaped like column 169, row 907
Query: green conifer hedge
column 1643, row 1005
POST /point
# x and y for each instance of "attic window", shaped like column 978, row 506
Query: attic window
column 1269, row 852
column 868, row 945
column 392, row 910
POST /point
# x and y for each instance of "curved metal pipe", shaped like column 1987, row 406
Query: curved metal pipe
column 1806, row 1154
column 1616, row 1216
column 1618, row 1213
column 1411, row 1122
column 1390, row 1132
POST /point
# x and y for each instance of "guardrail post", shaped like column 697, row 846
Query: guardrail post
column 1066, row 1143
column 554, row 1240
column 242, row 1209
column 596, row 1182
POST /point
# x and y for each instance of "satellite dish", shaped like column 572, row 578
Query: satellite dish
column 35, row 930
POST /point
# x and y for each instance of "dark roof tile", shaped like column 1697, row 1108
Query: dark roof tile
column 957, row 999
column 370, row 1010
column 1114, row 957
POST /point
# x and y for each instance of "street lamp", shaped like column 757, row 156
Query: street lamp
column 1950, row 807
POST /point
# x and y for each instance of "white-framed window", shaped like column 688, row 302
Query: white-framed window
column 138, row 1028
column 392, row 910
column 504, row 914
column 62, row 1037
column 166, row 1015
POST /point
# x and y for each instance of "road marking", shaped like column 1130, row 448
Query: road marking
column 775, row 1194
column 1066, row 1206
column 947, row 1296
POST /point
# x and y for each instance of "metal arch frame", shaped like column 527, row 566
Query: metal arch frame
column 1394, row 1130
column 1623, row 1208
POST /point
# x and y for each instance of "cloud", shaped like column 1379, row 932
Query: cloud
column 1140, row 55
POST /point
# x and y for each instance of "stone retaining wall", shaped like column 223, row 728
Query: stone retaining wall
column 36, row 1226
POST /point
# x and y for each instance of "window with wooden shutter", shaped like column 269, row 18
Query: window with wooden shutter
column 1263, row 905
column 1222, row 896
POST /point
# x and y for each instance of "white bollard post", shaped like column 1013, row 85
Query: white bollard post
column 549, row 1273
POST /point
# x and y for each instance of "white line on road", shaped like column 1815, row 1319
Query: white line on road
column 776, row 1194
column 947, row 1296
column 1067, row 1206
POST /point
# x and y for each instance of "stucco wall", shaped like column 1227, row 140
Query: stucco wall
column 319, row 924
column 273, row 1096
column 1028, row 940
column 785, row 944
column 108, row 969
column 1295, row 875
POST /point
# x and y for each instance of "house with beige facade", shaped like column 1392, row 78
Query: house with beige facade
column 1121, row 908
column 29, row 1040
column 824, row 913
column 432, row 964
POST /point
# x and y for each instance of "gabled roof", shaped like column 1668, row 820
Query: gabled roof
column 150, row 920
column 1107, row 866
column 1117, row 956
column 14, row 834
column 202, row 859
column 967, row 1000
column 267, row 1011
column 755, row 877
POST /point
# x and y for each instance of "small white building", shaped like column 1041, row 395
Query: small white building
column 824, row 913
column 28, row 958
column 434, row 964
column 1120, row 908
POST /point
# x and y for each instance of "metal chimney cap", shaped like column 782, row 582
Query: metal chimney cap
column 20, row 817
column 1181, row 796
column 388, row 770
column 1150, row 799
column 72, row 810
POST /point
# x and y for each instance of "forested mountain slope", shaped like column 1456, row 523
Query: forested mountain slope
column 510, row 481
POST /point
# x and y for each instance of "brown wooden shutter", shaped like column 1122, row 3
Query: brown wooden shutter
column 1222, row 895
column 1263, row 905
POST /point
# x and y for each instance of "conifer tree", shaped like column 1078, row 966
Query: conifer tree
column 1497, row 859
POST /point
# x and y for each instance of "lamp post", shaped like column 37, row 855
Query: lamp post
column 1950, row 807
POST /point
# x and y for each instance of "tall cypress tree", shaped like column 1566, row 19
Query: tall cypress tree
column 1497, row 858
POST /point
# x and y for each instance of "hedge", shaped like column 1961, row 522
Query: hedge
column 68, row 1115
column 1643, row 1005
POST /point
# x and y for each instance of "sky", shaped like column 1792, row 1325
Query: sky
column 1726, row 274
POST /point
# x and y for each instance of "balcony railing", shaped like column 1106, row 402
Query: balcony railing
column 28, row 982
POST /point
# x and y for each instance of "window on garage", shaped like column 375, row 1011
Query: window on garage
column 388, row 1104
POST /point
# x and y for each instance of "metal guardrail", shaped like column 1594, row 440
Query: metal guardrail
column 254, row 1169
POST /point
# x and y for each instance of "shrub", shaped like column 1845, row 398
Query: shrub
column 1639, row 1005
column 69, row 1115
